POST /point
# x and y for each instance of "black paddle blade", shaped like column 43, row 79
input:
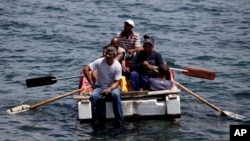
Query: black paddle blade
column 40, row 81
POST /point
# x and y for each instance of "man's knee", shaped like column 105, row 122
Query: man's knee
column 116, row 93
column 96, row 94
column 134, row 74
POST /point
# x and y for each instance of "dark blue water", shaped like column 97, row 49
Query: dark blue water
column 40, row 38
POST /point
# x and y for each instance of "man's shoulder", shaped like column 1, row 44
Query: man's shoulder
column 117, row 66
column 120, row 50
column 136, row 34
column 99, row 60
column 154, row 52
column 121, row 34
column 117, row 63
column 152, row 79
column 155, row 81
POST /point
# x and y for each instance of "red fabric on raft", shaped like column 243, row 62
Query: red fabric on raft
column 84, row 83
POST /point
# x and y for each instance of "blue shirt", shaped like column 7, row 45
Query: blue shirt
column 153, row 59
column 154, row 84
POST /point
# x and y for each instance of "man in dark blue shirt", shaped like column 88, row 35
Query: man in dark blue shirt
column 145, row 65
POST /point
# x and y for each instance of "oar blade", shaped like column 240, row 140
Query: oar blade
column 200, row 73
column 233, row 115
column 40, row 81
column 18, row 109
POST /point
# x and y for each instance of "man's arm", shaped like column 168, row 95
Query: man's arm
column 137, row 41
column 159, row 58
column 113, row 86
column 117, row 79
column 86, row 71
column 158, row 62
column 120, row 56
column 137, row 44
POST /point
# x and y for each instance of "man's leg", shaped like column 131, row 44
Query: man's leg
column 117, row 105
column 134, row 77
column 143, row 80
column 97, row 104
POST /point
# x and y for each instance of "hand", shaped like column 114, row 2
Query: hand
column 125, row 69
column 106, row 91
column 153, row 68
column 146, row 64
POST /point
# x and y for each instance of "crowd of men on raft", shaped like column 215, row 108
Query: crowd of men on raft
column 124, row 56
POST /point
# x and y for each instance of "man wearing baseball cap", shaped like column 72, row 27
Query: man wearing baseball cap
column 129, row 40
column 146, row 64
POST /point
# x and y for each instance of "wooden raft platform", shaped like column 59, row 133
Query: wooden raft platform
column 134, row 94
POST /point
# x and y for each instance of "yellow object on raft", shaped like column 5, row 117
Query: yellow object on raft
column 125, row 84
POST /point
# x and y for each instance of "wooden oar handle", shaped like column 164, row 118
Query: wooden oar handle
column 67, row 77
column 182, row 70
column 198, row 97
column 55, row 98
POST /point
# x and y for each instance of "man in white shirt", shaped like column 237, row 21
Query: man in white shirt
column 107, row 85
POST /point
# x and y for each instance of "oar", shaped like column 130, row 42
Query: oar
column 189, row 71
column 220, row 111
column 26, row 107
column 46, row 80
column 197, row 72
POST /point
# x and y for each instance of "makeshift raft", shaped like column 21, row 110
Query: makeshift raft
column 136, row 104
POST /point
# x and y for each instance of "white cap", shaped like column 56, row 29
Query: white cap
column 131, row 22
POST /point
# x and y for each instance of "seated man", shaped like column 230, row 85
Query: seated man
column 130, row 41
column 107, row 85
column 115, row 42
column 146, row 64
column 161, row 83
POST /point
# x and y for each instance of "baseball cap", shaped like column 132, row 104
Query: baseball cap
column 130, row 22
column 148, row 39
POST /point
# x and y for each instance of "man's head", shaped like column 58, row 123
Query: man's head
column 115, row 42
column 148, row 43
column 111, row 53
column 128, row 25
column 104, row 51
column 164, row 71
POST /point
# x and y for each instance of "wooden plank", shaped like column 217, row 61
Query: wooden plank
column 134, row 94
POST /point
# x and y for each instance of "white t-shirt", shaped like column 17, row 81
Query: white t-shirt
column 106, row 74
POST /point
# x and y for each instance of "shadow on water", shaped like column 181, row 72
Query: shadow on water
column 136, row 129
